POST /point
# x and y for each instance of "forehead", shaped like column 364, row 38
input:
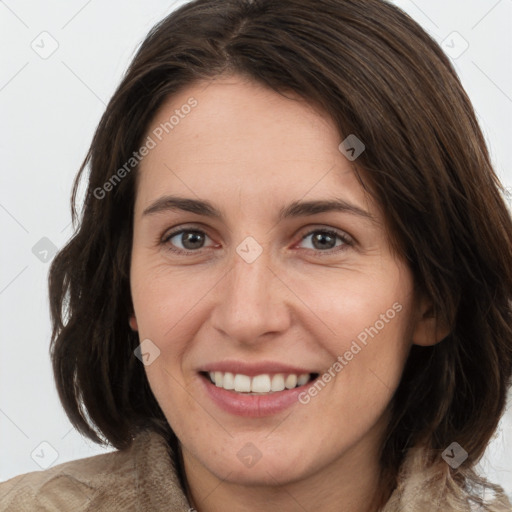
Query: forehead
column 246, row 139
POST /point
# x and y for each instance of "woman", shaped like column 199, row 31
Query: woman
column 290, row 286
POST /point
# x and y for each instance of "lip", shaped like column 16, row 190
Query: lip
column 252, row 406
column 253, row 369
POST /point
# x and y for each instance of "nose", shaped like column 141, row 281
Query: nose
column 252, row 302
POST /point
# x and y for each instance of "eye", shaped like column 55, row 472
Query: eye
column 190, row 239
column 186, row 241
column 326, row 240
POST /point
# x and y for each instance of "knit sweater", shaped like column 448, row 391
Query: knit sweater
column 143, row 478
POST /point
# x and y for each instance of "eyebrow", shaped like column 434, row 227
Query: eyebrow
column 294, row 209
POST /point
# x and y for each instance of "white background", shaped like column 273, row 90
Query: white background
column 49, row 109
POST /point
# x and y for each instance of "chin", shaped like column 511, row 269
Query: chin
column 264, row 473
column 252, row 466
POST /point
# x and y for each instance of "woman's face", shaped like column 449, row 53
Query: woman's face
column 253, row 275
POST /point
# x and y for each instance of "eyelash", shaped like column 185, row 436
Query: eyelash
column 347, row 241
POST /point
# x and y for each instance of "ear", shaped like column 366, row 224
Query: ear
column 429, row 328
column 133, row 323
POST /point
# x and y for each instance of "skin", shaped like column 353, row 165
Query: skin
column 251, row 151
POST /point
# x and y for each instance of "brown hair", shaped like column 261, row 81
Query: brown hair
column 378, row 75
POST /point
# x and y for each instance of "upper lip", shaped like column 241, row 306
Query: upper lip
column 252, row 369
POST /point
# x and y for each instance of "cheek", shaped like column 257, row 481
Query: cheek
column 369, row 361
column 351, row 304
column 368, row 319
column 171, row 394
column 165, row 301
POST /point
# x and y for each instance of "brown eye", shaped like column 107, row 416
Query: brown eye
column 190, row 240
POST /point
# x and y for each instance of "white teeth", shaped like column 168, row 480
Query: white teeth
column 302, row 379
column 242, row 383
column 291, row 381
column 260, row 384
column 229, row 381
column 263, row 383
column 278, row 382
column 219, row 377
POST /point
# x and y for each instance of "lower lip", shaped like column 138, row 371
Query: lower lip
column 253, row 406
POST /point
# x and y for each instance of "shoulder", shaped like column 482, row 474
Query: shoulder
column 427, row 485
column 76, row 485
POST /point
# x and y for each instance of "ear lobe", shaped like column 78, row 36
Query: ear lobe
column 133, row 323
column 429, row 329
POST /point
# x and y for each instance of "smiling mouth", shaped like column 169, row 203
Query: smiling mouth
column 263, row 384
